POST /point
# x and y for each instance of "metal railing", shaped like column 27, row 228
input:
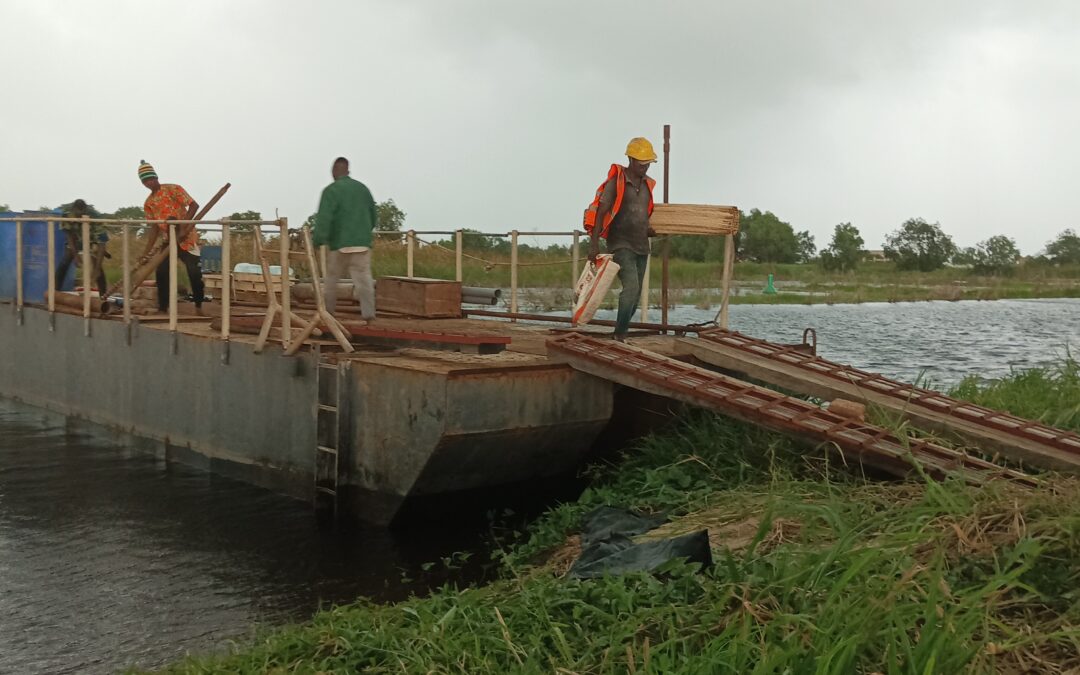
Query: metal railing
column 125, row 227
column 225, row 228
column 410, row 237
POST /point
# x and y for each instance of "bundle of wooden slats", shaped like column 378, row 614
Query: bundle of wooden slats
column 697, row 219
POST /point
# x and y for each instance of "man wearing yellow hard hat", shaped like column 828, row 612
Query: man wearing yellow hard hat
column 622, row 207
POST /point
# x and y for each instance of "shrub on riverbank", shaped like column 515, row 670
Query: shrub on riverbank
column 818, row 570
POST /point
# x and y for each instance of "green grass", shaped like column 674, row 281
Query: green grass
column 818, row 570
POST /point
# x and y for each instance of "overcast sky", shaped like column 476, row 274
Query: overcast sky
column 500, row 115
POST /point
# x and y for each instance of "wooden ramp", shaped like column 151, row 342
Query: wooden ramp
column 989, row 430
column 871, row 445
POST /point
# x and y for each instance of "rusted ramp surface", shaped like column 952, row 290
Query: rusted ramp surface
column 1019, row 439
column 874, row 446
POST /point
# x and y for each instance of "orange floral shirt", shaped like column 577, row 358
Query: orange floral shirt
column 171, row 201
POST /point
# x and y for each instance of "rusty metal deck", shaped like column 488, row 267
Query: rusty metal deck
column 1014, row 437
column 874, row 446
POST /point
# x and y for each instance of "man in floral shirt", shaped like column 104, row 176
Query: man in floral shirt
column 172, row 202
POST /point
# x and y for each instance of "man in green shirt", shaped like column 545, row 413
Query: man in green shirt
column 344, row 225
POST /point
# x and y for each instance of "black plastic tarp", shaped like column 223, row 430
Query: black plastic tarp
column 607, row 546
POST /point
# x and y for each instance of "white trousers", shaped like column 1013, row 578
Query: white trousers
column 358, row 266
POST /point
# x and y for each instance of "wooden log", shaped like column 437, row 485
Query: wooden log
column 694, row 219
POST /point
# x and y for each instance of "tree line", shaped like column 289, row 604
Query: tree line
column 916, row 245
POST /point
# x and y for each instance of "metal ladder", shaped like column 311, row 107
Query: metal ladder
column 331, row 432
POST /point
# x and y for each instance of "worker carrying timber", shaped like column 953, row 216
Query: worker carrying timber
column 172, row 202
column 344, row 225
column 621, row 208
column 73, row 249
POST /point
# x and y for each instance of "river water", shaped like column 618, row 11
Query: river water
column 940, row 342
column 111, row 558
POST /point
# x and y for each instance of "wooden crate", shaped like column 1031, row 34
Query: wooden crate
column 428, row 298
column 694, row 219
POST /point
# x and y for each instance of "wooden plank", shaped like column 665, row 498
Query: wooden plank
column 697, row 219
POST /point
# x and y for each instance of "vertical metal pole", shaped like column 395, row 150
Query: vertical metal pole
column 86, row 272
column 126, row 264
column 574, row 260
column 664, row 271
column 644, row 302
column 19, row 268
column 457, row 253
column 513, row 271
column 50, row 243
column 729, row 259
column 226, row 280
column 410, row 241
column 173, row 257
column 286, row 297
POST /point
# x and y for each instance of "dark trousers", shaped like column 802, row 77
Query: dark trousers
column 65, row 263
column 631, row 275
column 193, row 263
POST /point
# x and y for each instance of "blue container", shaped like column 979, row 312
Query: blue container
column 35, row 259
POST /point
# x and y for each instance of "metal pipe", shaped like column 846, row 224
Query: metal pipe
column 226, row 281
column 410, row 243
column 729, row 266
column 86, row 274
column 173, row 255
column 574, row 260
column 547, row 318
column 457, row 255
column 50, row 244
column 666, row 245
column 644, row 301
column 19, row 266
column 283, row 273
column 513, row 270
column 126, row 265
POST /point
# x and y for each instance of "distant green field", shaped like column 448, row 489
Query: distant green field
column 698, row 283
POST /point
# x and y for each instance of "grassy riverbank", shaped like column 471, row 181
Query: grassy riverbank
column 817, row 570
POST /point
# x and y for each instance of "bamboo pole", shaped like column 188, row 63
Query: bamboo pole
column 410, row 243
column 126, row 264
column 513, row 271
column 174, row 255
column 286, row 299
column 50, row 244
column 457, row 255
column 19, row 265
column 226, row 281
column 729, row 266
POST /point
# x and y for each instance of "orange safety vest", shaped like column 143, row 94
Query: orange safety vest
column 620, row 188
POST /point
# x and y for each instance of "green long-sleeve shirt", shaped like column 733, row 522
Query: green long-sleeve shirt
column 346, row 215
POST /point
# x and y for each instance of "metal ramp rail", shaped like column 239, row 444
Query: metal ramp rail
column 871, row 445
column 991, row 430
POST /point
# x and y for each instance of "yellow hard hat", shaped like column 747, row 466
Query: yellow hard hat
column 641, row 150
